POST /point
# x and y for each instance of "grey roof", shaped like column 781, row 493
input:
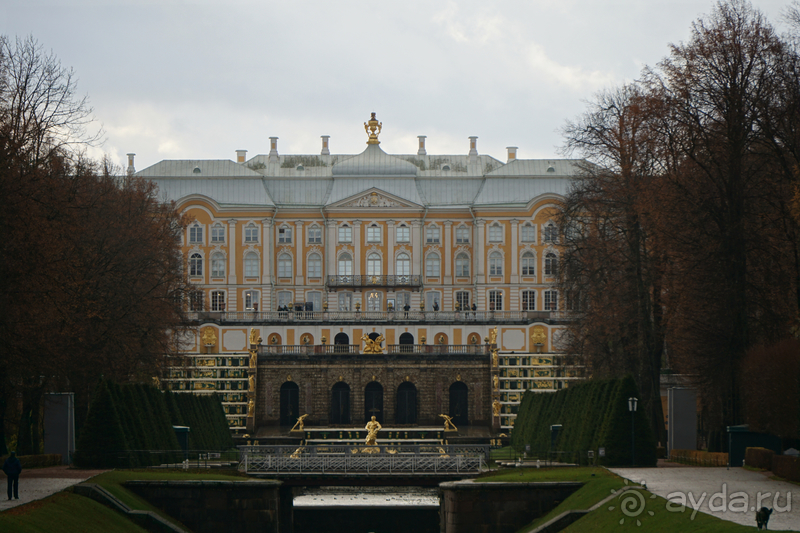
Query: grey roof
column 197, row 168
column 520, row 191
column 405, row 188
column 537, row 167
column 375, row 163
column 450, row 192
column 228, row 192
column 307, row 192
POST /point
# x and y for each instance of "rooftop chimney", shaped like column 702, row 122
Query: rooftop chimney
column 512, row 153
column 473, row 150
column 273, row 150
column 131, row 168
column 241, row 155
column 421, row 150
column 325, row 148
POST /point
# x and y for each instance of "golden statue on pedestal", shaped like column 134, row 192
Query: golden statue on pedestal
column 495, row 359
column 255, row 338
column 372, row 427
column 371, row 127
column 251, row 407
column 300, row 424
column 496, row 407
column 493, row 335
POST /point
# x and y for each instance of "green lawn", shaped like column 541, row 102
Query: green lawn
column 65, row 512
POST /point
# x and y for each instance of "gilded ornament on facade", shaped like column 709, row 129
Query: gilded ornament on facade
column 495, row 382
column 495, row 358
column 251, row 408
column 251, row 383
column 209, row 337
column 493, row 335
column 539, row 335
column 300, row 424
column 496, row 408
column 255, row 338
column 448, row 423
column 372, row 346
column 253, row 358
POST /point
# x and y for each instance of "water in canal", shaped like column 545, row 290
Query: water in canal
column 367, row 510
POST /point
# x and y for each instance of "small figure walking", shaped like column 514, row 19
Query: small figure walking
column 12, row 468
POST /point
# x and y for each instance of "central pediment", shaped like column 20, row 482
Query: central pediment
column 374, row 198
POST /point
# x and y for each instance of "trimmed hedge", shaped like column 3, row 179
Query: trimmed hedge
column 786, row 466
column 37, row 461
column 698, row 458
column 758, row 458
column 127, row 422
column 593, row 414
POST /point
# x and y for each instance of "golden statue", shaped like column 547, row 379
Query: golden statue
column 372, row 346
column 493, row 335
column 300, row 424
column 539, row 335
column 448, row 423
column 255, row 338
column 495, row 359
column 495, row 382
column 252, row 383
column 209, row 337
column 297, row 452
column 371, row 127
column 156, row 382
column 372, row 427
column 251, row 408
column 253, row 358
column 496, row 408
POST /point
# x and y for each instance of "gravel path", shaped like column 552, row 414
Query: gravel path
column 42, row 482
column 702, row 484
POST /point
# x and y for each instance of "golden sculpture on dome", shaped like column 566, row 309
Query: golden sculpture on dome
column 373, row 129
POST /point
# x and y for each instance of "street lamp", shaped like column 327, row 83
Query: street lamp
column 632, row 402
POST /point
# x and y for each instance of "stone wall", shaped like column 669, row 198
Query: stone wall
column 213, row 506
column 472, row 506
column 432, row 375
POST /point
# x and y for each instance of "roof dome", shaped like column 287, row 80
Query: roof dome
column 374, row 162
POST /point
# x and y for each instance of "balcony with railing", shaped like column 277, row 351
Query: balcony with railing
column 334, row 282
column 391, row 350
column 373, row 317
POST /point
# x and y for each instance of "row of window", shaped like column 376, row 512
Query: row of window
column 374, row 300
column 403, row 234
column 374, row 268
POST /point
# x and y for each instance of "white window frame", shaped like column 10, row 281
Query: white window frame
column 462, row 235
column 433, row 234
column 527, row 264
column 527, row 233
column 374, row 264
column 285, row 298
column 196, row 265
column 495, row 264
column 550, row 233
column 217, row 233
column 433, row 265
column 496, row 232
column 218, row 264
column 250, row 297
column 550, row 264
column 345, row 260
column 462, row 298
column 551, row 300
column 284, row 234
column 196, row 234
column 462, row 265
column 217, row 300
column 496, row 298
column 373, row 233
column 314, row 265
column 251, row 233
column 251, row 270
column 402, row 264
column 345, row 233
column 403, row 233
column 197, row 301
column 315, row 235
column 528, row 300
column 285, row 264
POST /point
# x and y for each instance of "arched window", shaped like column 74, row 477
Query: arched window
column 403, row 265
column 432, row 265
column 550, row 264
column 528, row 232
column 196, row 234
column 345, row 233
column 340, row 403
column 196, row 265
column 406, row 411
column 373, row 401
column 495, row 264
column 217, row 233
column 217, row 265
column 289, row 403
column 403, row 233
column 284, row 266
column 495, row 233
column 462, row 265
column 251, row 233
column 314, row 234
column 314, row 266
column 459, row 403
column 528, row 264
column 251, row 265
column 345, row 265
column 373, row 265
column 373, row 233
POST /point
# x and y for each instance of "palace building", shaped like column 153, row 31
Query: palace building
column 376, row 282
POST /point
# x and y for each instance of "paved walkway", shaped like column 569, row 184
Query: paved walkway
column 700, row 484
column 40, row 483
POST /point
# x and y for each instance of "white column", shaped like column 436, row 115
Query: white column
column 390, row 247
column 232, row 251
column 357, row 248
column 514, row 251
column 480, row 259
column 298, row 246
column 416, row 248
column 447, row 253
column 267, row 253
column 330, row 248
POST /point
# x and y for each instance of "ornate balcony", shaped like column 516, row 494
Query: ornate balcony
column 376, row 317
column 335, row 282
column 391, row 350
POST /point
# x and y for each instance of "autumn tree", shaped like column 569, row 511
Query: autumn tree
column 611, row 267
column 91, row 280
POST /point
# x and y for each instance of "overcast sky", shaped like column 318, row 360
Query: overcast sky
column 200, row 79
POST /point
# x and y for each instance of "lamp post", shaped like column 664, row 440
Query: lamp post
column 632, row 403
